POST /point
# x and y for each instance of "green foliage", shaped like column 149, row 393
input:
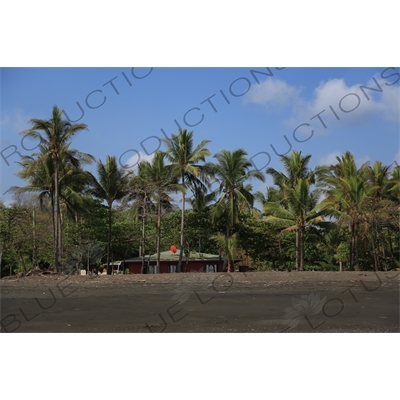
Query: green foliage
column 73, row 217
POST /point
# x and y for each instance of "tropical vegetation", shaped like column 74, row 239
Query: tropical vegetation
column 335, row 217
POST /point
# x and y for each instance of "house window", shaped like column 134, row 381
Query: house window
column 211, row 268
column 172, row 268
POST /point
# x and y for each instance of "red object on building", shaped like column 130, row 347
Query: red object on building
column 173, row 249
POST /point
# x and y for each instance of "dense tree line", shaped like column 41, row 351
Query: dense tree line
column 65, row 218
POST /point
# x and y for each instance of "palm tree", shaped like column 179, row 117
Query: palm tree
column 162, row 181
column 111, row 186
column 140, row 193
column 201, row 200
column 232, row 170
column 296, row 167
column 228, row 247
column 297, row 209
column 347, row 193
column 186, row 159
column 294, row 203
column 380, row 208
column 55, row 156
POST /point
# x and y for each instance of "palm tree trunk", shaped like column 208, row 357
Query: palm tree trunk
column 158, row 236
column 226, row 260
column 391, row 248
column 109, row 235
column 33, row 238
column 352, row 246
column 56, row 210
column 297, row 249
column 357, row 263
column 182, row 228
column 380, row 246
column 375, row 247
column 143, row 232
column 301, row 249
column 60, row 243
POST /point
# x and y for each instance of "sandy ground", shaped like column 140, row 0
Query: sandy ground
column 199, row 302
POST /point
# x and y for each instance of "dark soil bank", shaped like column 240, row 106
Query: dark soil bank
column 236, row 302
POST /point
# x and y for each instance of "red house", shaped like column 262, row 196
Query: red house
column 197, row 262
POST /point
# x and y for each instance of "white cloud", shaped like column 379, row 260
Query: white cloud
column 351, row 104
column 329, row 159
column 336, row 103
column 273, row 92
column 133, row 161
column 17, row 122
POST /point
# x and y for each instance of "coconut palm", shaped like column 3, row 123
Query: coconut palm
column 55, row 155
column 201, row 200
column 232, row 170
column 111, row 186
column 162, row 181
column 293, row 203
column 185, row 159
column 296, row 167
column 394, row 191
column 380, row 209
column 140, row 195
column 297, row 209
column 227, row 247
column 347, row 193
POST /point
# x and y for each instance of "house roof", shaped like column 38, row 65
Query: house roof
column 169, row 256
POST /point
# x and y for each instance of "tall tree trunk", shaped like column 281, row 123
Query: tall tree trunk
column 79, row 240
column 375, row 246
column 381, row 246
column 227, row 264
column 143, row 231
column 33, row 238
column 109, row 235
column 158, row 236
column 352, row 246
column 301, row 248
column 391, row 248
column 60, row 242
column 182, row 226
column 297, row 249
column 357, row 263
column 56, row 209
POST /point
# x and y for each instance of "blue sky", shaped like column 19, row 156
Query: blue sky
column 130, row 107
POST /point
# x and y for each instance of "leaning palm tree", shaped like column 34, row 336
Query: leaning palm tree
column 55, row 137
column 186, row 159
column 73, row 182
column 232, row 170
column 110, row 186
